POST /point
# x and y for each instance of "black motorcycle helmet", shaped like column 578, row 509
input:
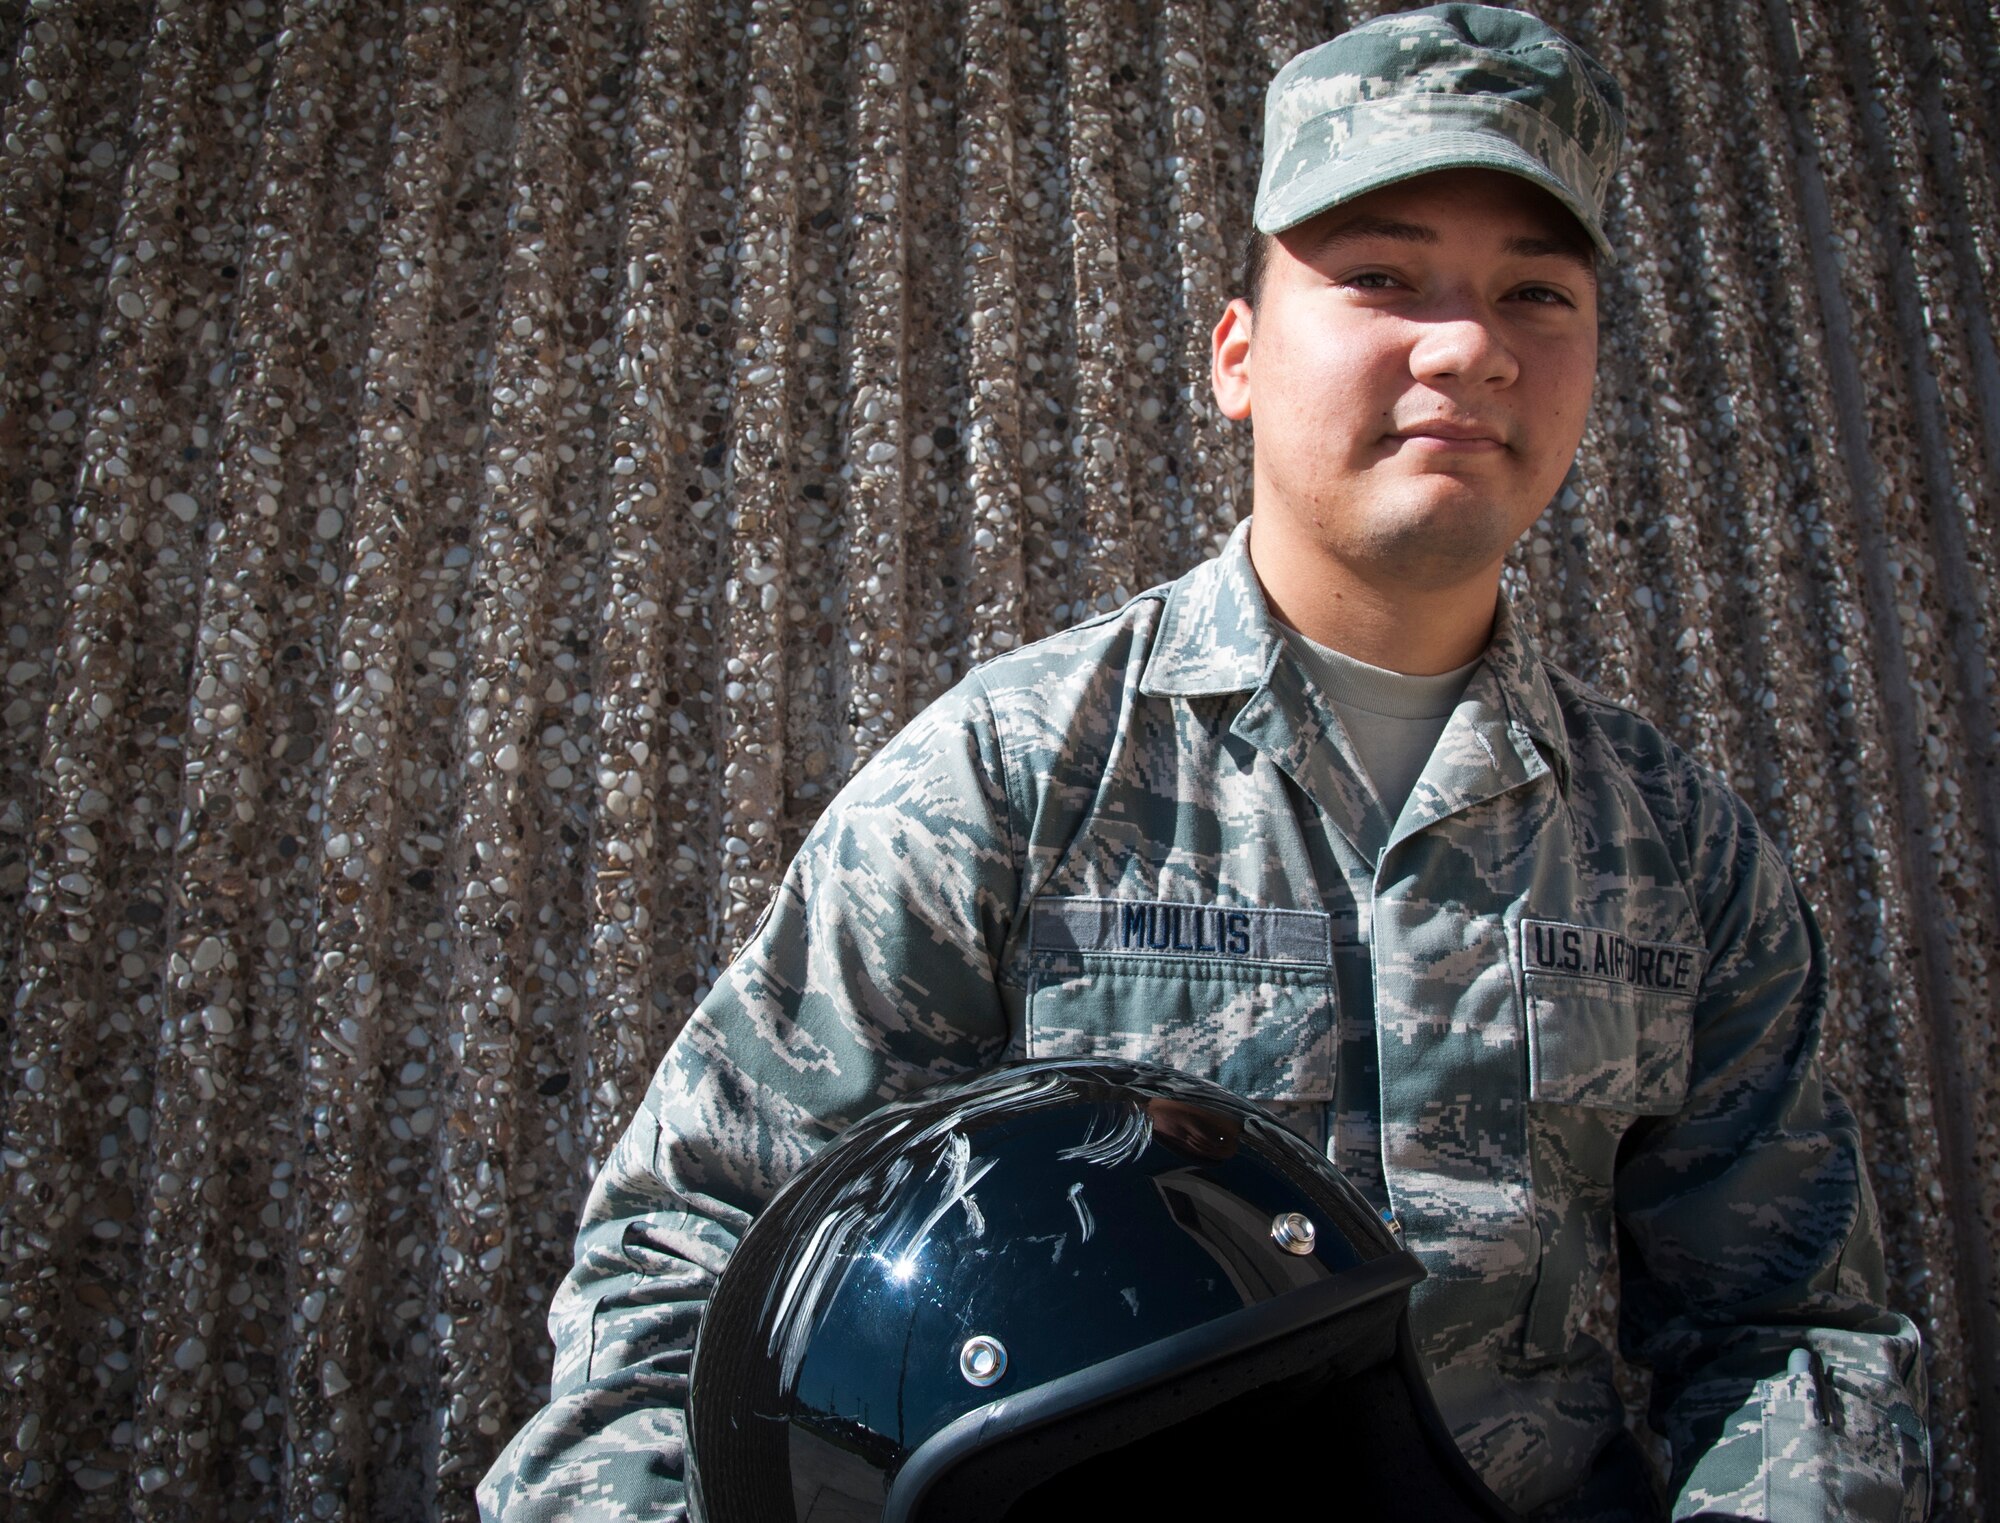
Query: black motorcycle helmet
column 1067, row 1280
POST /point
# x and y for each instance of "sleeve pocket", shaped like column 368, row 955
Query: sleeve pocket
column 1847, row 1459
column 640, row 1316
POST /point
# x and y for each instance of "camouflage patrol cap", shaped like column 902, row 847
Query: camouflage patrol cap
column 1451, row 87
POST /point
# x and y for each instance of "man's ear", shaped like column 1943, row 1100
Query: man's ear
column 1229, row 360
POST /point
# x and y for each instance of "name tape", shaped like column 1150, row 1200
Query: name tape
column 1168, row 928
column 1583, row 951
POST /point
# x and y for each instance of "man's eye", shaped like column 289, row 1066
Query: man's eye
column 1543, row 296
column 1372, row 280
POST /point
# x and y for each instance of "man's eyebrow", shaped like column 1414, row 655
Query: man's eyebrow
column 1553, row 248
column 1357, row 228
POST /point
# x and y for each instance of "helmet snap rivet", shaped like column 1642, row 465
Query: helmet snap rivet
column 983, row 1360
column 1293, row 1232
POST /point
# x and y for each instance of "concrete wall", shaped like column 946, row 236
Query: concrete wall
column 478, row 476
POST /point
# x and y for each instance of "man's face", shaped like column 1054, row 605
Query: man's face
column 1418, row 369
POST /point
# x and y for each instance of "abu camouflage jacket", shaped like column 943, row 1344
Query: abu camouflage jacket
column 1570, row 989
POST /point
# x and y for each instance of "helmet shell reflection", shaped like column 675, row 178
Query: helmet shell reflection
column 1050, row 1219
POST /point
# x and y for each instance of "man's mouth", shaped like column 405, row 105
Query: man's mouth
column 1446, row 434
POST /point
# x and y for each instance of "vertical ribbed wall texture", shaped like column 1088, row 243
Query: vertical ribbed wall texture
column 477, row 475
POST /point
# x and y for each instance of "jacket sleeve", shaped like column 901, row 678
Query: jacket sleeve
column 871, row 975
column 1751, row 1258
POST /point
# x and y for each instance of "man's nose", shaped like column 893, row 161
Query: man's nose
column 1464, row 344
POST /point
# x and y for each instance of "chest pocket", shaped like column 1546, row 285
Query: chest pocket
column 1610, row 1026
column 1609, row 1020
column 1241, row 996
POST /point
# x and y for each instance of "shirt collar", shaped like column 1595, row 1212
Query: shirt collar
column 1217, row 636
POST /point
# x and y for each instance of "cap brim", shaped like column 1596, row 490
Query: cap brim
column 1354, row 174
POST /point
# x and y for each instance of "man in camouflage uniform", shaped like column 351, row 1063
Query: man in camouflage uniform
column 1543, row 982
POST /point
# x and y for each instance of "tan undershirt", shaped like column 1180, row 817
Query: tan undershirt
column 1394, row 719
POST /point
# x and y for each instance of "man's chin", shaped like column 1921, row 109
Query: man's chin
column 1432, row 546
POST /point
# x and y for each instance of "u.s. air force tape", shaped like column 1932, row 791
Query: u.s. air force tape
column 1168, row 928
column 1554, row 948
